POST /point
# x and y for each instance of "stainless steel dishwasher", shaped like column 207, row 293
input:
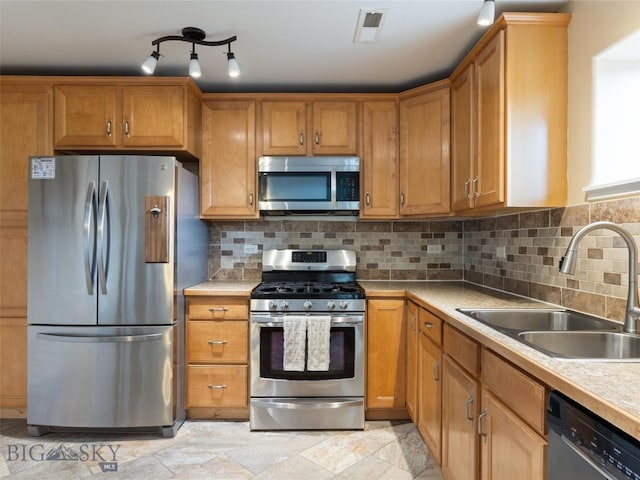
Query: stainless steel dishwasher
column 584, row 446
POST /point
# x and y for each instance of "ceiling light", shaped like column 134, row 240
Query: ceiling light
column 194, row 36
column 149, row 65
column 194, row 66
column 487, row 13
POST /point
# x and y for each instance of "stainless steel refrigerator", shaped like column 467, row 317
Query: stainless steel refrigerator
column 113, row 240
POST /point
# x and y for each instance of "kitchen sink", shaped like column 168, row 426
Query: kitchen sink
column 515, row 320
column 585, row 345
column 562, row 333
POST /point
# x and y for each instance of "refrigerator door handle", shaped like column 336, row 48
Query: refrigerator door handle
column 89, row 242
column 104, row 235
column 54, row 337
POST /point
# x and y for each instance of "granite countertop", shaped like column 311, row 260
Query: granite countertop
column 609, row 389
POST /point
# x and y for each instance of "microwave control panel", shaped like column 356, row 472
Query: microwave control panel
column 347, row 186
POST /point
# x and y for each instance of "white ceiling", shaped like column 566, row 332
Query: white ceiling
column 295, row 45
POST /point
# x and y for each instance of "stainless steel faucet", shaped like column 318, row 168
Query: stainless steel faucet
column 568, row 265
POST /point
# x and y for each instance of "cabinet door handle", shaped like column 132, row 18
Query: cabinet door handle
column 401, row 199
column 217, row 342
column 474, row 187
column 466, row 188
column 428, row 325
column 251, row 199
column 367, row 199
column 316, row 137
column 301, row 139
column 217, row 387
column 467, row 407
column 481, row 431
column 218, row 309
column 126, row 128
column 109, row 128
column 436, row 371
column 414, row 323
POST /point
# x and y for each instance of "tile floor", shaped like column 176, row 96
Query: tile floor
column 220, row 451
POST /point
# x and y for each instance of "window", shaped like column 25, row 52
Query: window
column 616, row 120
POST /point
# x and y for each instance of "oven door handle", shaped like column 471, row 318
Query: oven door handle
column 307, row 404
column 271, row 322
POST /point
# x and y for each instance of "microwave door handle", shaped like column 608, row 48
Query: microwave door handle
column 334, row 187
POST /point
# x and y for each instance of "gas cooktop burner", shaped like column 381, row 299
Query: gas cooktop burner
column 307, row 289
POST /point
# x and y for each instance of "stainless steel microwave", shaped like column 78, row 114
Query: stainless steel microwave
column 309, row 185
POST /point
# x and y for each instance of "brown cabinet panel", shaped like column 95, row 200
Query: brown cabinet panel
column 220, row 308
column 430, row 395
column 334, row 128
column 217, row 386
column 424, row 153
column 218, row 342
column 379, row 164
column 412, row 330
column 431, row 326
column 459, row 438
column 284, row 128
column 13, row 362
column 228, row 177
column 385, row 354
column 153, row 116
column 509, row 448
column 462, row 349
column 462, row 137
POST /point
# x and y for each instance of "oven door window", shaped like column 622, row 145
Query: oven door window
column 295, row 187
column 341, row 354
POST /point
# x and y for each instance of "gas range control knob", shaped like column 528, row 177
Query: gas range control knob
column 307, row 305
column 273, row 305
column 343, row 305
column 331, row 305
column 284, row 305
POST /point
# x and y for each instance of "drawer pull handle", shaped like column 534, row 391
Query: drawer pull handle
column 217, row 387
column 468, row 404
column 217, row 342
column 218, row 309
column 428, row 324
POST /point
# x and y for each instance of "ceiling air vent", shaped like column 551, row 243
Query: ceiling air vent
column 369, row 25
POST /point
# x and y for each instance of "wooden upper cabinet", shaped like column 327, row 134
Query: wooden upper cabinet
column 424, row 151
column 509, row 116
column 228, row 164
column 155, row 117
column 379, row 165
column 291, row 127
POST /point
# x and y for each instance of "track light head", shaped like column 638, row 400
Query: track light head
column 149, row 65
column 487, row 13
column 194, row 66
column 232, row 65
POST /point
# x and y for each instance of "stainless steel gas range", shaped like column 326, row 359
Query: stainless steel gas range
column 307, row 342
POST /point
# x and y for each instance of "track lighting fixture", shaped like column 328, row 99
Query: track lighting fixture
column 194, row 36
column 487, row 13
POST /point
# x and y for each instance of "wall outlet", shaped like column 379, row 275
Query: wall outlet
column 249, row 249
column 501, row 252
column 434, row 249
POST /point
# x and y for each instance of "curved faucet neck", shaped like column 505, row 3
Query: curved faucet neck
column 632, row 315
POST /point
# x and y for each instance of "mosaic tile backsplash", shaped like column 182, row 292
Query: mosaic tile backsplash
column 518, row 252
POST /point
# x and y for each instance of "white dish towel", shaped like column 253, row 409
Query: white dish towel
column 318, row 340
column 295, row 333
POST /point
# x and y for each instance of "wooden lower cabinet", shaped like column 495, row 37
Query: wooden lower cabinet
column 459, row 436
column 217, row 340
column 430, row 395
column 385, row 389
column 411, row 320
column 509, row 447
column 217, row 386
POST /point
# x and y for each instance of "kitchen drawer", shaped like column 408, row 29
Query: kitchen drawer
column 462, row 349
column 431, row 326
column 217, row 386
column 217, row 342
column 515, row 389
column 223, row 308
